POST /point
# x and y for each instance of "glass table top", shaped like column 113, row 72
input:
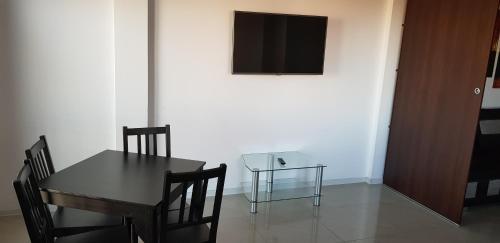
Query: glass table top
column 273, row 161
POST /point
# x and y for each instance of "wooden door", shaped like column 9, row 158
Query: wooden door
column 444, row 57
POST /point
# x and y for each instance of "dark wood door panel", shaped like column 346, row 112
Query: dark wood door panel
column 444, row 57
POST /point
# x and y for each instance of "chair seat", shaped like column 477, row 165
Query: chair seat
column 68, row 221
column 192, row 234
column 111, row 235
column 198, row 233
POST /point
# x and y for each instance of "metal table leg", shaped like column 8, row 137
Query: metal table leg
column 255, row 191
column 318, row 185
column 270, row 173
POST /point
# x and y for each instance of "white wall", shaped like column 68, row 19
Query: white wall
column 491, row 97
column 386, row 85
column 216, row 116
column 8, row 139
column 131, row 66
column 61, row 83
column 77, row 71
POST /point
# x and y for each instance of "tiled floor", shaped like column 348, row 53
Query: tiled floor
column 349, row 213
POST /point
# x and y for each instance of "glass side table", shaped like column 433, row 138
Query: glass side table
column 269, row 163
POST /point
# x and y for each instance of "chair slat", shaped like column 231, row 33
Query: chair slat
column 197, row 200
column 167, row 142
column 202, row 199
column 167, row 185
column 40, row 160
column 34, row 167
column 48, row 157
column 39, row 169
column 155, row 144
column 125, row 139
column 183, row 203
column 139, row 145
column 43, row 166
column 194, row 200
column 147, row 132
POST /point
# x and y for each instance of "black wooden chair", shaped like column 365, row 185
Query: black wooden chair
column 190, row 227
column 485, row 163
column 67, row 221
column 39, row 222
column 147, row 132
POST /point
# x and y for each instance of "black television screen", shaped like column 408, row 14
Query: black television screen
column 267, row 43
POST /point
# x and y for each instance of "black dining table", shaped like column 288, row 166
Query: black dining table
column 118, row 183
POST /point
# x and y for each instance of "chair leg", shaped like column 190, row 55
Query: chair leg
column 132, row 231
column 135, row 237
column 482, row 191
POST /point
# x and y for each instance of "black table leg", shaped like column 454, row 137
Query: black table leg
column 150, row 227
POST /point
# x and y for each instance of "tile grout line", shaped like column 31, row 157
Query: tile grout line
column 331, row 231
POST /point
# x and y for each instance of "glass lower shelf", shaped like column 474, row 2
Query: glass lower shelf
column 282, row 194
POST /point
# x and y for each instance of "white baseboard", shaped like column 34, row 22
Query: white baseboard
column 375, row 181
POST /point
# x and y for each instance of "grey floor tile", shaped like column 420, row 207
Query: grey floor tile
column 360, row 193
column 307, row 231
column 352, row 213
column 12, row 229
column 370, row 218
column 436, row 235
column 240, row 230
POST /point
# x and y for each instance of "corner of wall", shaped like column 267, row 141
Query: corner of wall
column 384, row 94
column 131, row 44
column 383, row 62
column 115, row 142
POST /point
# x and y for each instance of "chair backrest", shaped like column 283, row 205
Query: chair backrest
column 199, row 180
column 147, row 132
column 40, row 159
column 487, row 138
column 36, row 215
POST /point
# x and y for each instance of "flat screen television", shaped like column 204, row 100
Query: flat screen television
column 265, row 43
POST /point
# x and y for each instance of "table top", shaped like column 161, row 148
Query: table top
column 269, row 161
column 115, row 175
